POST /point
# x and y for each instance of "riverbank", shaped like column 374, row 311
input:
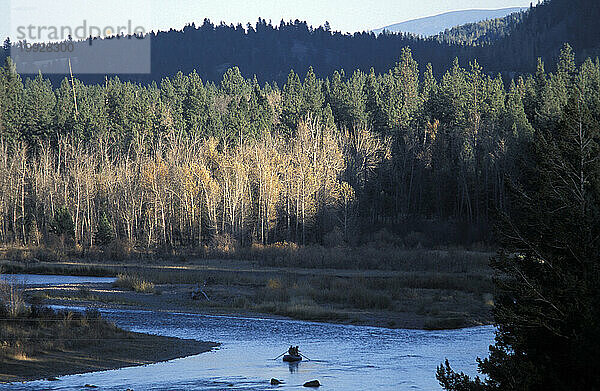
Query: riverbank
column 432, row 289
column 133, row 349
column 39, row 343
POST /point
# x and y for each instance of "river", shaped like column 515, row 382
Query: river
column 49, row 280
column 343, row 357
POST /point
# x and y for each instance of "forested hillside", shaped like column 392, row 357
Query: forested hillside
column 268, row 51
column 485, row 32
column 515, row 46
column 511, row 46
column 317, row 160
column 433, row 25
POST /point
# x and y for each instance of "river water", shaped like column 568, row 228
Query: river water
column 47, row 280
column 343, row 357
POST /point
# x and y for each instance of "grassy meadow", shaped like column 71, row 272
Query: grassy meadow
column 379, row 284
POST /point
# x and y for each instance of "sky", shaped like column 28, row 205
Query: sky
column 343, row 15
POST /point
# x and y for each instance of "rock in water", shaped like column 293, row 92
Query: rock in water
column 275, row 382
column 52, row 379
column 312, row 383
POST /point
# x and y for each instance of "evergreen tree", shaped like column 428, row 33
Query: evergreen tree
column 11, row 102
column 39, row 104
column 104, row 233
column 375, row 114
column 293, row 104
column 65, row 108
column 312, row 95
column 548, row 283
column 62, row 224
column 194, row 106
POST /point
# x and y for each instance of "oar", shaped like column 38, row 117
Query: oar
column 280, row 355
column 304, row 356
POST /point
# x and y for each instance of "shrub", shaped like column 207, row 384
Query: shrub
column 416, row 240
column 274, row 284
column 334, row 238
column 83, row 291
column 45, row 254
column 11, row 296
column 118, row 250
column 14, row 254
column 134, row 283
column 225, row 244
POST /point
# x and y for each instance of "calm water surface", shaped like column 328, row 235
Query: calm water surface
column 343, row 357
column 34, row 279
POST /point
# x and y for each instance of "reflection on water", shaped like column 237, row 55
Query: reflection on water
column 343, row 357
column 294, row 367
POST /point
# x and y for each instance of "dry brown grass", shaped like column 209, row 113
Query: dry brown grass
column 50, row 330
column 134, row 283
column 447, row 287
column 45, row 343
column 370, row 256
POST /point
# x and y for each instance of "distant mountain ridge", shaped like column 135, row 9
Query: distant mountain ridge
column 433, row 25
